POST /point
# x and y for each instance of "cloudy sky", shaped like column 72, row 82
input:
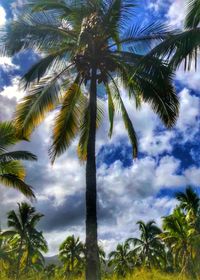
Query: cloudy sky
column 127, row 190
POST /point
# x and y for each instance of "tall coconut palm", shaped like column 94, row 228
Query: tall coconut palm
column 149, row 247
column 183, row 45
column 12, row 171
column 122, row 259
column 87, row 46
column 71, row 253
column 24, row 233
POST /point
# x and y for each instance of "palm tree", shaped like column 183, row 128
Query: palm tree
column 122, row 259
column 71, row 253
column 12, row 172
column 24, row 234
column 85, row 48
column 189, row 201
column 179, row 237
column 183, row 45
column 149, row 248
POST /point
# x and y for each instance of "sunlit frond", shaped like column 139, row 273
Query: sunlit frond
column 84, row 127
column 13, row 181
column 42, row 98
column 67, row 121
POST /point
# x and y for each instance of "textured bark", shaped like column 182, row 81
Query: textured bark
column 92, row 256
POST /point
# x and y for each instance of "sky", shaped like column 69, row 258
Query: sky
column 128, row 190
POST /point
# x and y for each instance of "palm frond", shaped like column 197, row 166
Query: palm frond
column 180, row 47
column 127, row 122
column 17, row 155
column 84, row 128
column 67, row 121
column 7, row 135
column 32, row 109
column 13, row 181
column 193, row 14
column 111, row 109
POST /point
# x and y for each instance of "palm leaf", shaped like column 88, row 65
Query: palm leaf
column 127, row 122
column 33, row 108
column 193, row 15
column 67, row 121
column 11, row 180
column 17, row 155
column 84, row 128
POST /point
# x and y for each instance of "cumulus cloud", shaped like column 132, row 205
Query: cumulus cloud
column 2, row 16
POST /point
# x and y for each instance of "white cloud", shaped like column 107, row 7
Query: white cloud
column 2, row 16
column 13, row 91
column 6, row 64
column 176, row 13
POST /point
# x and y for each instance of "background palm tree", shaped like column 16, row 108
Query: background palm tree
column 12, row 171
column 122, row 259
column 179, row 238
column 149, row 248
column 24, row 236
column 71, row 253
column 85, row 48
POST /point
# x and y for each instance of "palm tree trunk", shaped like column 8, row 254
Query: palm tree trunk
column 19, row 260
column 92, row 256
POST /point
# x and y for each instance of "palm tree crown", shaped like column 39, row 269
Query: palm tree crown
column 149, row 247
column 72, row 42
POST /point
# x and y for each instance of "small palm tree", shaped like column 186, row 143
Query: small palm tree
column 23, row 233
column 12, row 171
column 179, row 238
column 71, row 253
column 122, row 259
column 85, row 51
column 149, row 248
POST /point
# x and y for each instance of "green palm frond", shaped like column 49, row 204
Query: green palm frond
column 152, row 81
column 127, row 122
column 35, row 32
column 7, row 135
column 11, row 180
column 84, row 128
column 193, row 14
column 180, row 47
column 67, row 120
column 42, row 98
column 111, row 109
column 41, row 5
column 54, row 62
column 17, row 155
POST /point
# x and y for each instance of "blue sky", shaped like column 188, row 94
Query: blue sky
column 127, row 190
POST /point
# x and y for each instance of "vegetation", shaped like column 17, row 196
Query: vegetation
column 85, row 49
column 85, row 56
column 172, row 251
column 12, row 171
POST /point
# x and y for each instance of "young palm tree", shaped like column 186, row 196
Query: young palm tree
column 183, row 45
column 71, row 253
column 149, row 247
column 180, row 238
column 86, row 47
column 190, row 202
column 122, row 259
column 12, row 171
column 24, row 234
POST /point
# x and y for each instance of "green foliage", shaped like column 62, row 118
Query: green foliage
column 73, row 38
column 12, row 171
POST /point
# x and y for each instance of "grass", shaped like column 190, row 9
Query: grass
column 139, row 275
